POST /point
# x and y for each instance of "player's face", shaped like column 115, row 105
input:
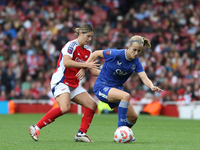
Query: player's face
column 134, row 50
column 87, row 37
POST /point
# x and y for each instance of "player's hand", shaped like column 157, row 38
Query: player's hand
column 93, row 65
column 81, row 74
column 156, row 89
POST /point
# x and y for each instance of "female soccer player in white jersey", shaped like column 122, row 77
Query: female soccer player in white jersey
column 65, row 84
column 118, row 67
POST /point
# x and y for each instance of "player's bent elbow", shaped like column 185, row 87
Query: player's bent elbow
column 66, row 63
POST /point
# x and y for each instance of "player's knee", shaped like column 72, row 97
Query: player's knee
column 126, row 97
column 93, row 106
column 65, row 108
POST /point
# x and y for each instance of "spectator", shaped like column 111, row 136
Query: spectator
column 112, row 17
column 34, row 28
column 87, row 8
column 147, row 27
column 134, row 28
column 196, row 91
column 26, row 85
column 153, row 108
column 3, row 95
column 148, row 98
column 184, row 97
column 8, row 30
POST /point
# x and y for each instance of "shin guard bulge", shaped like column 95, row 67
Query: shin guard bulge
column 86, row 120
column 49, row 117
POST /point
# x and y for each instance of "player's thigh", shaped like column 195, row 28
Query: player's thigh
column 131, row 114
column 61, row 93
column 84, row 99
column 64, row 102
column 116, row 95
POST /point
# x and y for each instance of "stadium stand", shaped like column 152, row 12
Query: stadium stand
column 176, row 32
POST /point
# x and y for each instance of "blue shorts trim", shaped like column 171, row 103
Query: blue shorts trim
column 101, row 91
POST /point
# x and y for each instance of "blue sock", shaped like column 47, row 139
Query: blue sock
column 122, row 110
column 129, row 124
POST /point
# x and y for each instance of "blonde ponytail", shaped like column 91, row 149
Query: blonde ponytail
column 147, row 42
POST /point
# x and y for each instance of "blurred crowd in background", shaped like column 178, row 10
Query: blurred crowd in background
column 32, row 33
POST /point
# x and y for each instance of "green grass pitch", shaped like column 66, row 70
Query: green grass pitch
column 151, row 133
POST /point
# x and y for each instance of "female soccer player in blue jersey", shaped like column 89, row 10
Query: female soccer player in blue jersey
column 118, row 67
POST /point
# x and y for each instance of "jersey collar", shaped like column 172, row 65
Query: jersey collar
column 126, row 56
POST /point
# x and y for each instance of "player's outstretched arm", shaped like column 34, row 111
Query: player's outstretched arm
column 68, row 62
column 94, row 71
column 95, row 55
column 148, row 83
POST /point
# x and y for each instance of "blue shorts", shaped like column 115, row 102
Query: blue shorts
column 101, row 91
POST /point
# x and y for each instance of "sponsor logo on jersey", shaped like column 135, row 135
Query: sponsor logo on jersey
column 103, row 95
column 119, row 72
column 109, row 52
column 119, row 63
column 79, row 60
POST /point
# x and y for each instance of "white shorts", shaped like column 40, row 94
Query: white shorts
column 63, row 88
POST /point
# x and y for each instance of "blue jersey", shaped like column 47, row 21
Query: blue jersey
column 117, row 68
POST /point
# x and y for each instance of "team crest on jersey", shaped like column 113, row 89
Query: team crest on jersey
column 133, row 67
column 108, row 52
column 86, row 56
column 69, row 50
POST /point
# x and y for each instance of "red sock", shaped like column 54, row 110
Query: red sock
column 49, row 117
column 86, row 120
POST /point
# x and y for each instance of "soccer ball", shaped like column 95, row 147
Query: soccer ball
column 123, row 134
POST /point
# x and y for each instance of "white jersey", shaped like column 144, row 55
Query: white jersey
column 67, row 75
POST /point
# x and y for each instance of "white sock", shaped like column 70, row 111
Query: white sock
column 37, row 128
column 81, row 133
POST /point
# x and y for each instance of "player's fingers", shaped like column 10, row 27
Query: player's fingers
column 78, row 74
column 95, row 61
column 159, row 90
column 97, row 64
column 80, row 77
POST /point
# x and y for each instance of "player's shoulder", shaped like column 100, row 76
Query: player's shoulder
column 112, row 50
column 71, row 44
column 118, row 50
column 121, row 50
